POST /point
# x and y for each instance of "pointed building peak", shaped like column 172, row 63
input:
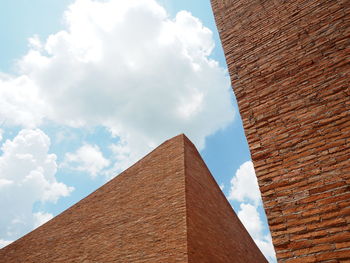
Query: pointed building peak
column 180, row 140
column 180, row 136
column 165, row 208
column 183, row 138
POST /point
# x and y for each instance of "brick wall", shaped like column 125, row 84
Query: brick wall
column 166, row 208
column 137, row 217
column 215, row 234
column 289, row 62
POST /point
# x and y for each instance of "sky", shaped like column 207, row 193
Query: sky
column 89, row 87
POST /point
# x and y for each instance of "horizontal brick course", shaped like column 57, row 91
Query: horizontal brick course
column 290, row 69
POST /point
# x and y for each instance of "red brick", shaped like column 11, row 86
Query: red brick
column 300, row 244
column 320, row 210
column 289, row 66
column 332, row 239
column 343, row 245
column 325, row 188
column 339, row 254
column 306, row 259
column 287, row 254
column 309, row 235
column 328, row 223
column 313, row 249
column 165, row 208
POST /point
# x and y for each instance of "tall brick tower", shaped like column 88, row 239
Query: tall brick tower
column 165, row 208
column 289, row 63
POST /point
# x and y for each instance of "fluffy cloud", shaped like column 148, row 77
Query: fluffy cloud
column 1, row 134
column 87, row 158
column 265, row 245
column 27, row 176
column 251, row 219
column 125, row 65
column 20, row 103
column 244, row 186
column 122, row 157
column 245, row 189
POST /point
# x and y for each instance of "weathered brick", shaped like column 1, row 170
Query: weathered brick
column 343, row 245
column 325, row 188
column 339, row 254
column 289, row 66
column 305, row 259
column 336, row 238
column 303, row 221
column 328, row 223
column 283, row 255
column 300, row 244
column 313, row 249
column 320, row 210
column 309, row 235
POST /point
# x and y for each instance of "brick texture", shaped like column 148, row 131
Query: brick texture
column 289, row 62
column 165, row 208
column 215, row 233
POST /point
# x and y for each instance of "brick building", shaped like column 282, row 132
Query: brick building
column 289, row 63
column 165, row 208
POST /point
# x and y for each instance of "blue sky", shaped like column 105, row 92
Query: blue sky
column 86, row 92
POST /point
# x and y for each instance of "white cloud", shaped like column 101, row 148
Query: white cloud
column 27, row 176
column 1, row 134
column 123, row 157
column 251, row 219
column 87, row 158
column 125, row 65
column 41, row 218
column 266, row 246
column 20, row 103
column 245, row 189
column 244, row 185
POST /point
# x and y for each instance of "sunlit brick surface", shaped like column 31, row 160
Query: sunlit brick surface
column 165, row 208
column 289, row 63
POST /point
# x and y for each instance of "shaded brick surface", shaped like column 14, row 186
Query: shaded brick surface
column 215, row 233
column 289, row 62
column 165, row 208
